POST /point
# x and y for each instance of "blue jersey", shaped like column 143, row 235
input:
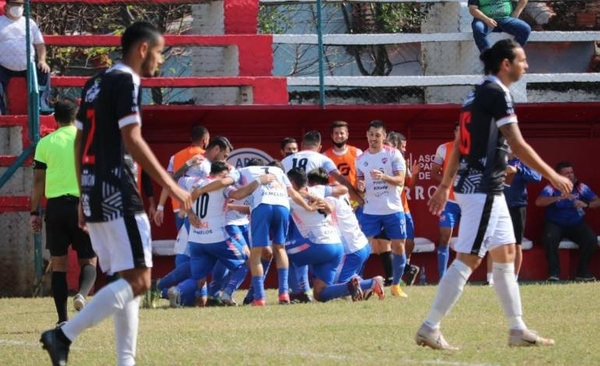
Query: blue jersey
column 516, row 192
column 563, row 212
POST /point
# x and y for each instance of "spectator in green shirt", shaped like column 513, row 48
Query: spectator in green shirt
column 497, row 16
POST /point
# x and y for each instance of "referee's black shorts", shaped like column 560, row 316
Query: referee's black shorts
column 62, row 228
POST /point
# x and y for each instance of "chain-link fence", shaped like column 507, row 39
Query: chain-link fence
column 393, row 51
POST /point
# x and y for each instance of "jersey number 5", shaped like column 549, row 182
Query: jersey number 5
column 465, row 135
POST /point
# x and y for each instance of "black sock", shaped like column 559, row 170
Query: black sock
column 60, row 334
column 87, row 278
column 60, row 292
column 386, row 262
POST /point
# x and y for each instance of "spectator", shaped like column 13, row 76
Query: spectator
column 497, row 16
column 13, row 58
column 565, row 219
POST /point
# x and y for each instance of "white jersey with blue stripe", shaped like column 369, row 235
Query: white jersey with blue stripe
column 210, row 208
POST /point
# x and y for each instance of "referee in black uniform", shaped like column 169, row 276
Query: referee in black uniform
column 54, row 176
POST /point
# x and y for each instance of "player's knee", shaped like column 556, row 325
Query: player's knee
column 60, row 263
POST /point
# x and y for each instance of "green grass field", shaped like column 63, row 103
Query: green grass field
column 337, row 333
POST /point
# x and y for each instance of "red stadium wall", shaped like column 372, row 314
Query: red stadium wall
column 557, row 131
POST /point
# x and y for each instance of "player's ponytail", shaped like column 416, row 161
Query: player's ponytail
column 492, row 57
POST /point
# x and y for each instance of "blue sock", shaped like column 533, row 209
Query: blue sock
column 282, row 278
column 220, row 275
column 258, row 283
column 266, row 264
column 164, row 293
column 335, row 292
column 177, row 275
column 366, row 284
column 443, row 252
column 302, row 283
column 236, row 279
column 188, row 292
column 293, row 278
column 399, row 262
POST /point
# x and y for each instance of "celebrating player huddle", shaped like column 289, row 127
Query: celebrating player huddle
column 296, row 216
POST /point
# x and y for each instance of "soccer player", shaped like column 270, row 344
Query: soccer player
column 109, row 128
column 478, row 159
column 199, row 139
column 288, row 146
column 355, row 243
column 315, row 240
column 451, row 214
column 398, row 141
column 380, row 172
column 54, row 176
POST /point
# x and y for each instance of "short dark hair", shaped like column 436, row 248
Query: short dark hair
column 376, row 123
column 561, row 165
column 277, row 164
column 222, row 142
column 298, row 176
column 318, row 176
column 492, row 57
column 255, row 162
column 312, row 138
column 65, row 111
column 287, row 140
column 198, row 133
column 338, row 124
column 218, row 167
column 140, row 31
column 393, row 137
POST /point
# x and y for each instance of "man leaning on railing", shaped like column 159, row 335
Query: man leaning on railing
column 13, row 52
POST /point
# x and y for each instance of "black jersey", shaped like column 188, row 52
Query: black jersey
column 109, row 101
column 483, row 149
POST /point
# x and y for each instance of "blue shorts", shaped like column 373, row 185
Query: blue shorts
column 323, row 259
column 240, row 233
column 352, row 264
column 393, row 224
column 204, row 256
column 410, row 226
column 269, row 222
column 450, row 216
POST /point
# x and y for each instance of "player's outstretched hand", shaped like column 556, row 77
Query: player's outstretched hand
column 437, row 202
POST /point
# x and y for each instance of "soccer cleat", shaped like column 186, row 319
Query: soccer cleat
column 432, row 338
column 79, row 302
column 585, row 278
column 301, row 298
column 553, row 278
column 356, row 293
column 259, row 302
column 174, row 295
column 56, row 347
column 411, row 274
column 228, row 300
column 527, row 338
column 376, row 289
column 397, row 291
column 284, row 299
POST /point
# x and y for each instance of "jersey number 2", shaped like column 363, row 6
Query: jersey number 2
column 465, row 135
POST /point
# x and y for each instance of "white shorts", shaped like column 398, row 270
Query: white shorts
column 122, row 244
column 484, row 225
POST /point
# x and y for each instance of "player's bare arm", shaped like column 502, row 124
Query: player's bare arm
column 438, row 201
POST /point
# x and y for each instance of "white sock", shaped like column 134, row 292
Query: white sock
column 106, row 302
column 490, row 278
column 508, row 293
column 449, row 290
column 126, row 331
